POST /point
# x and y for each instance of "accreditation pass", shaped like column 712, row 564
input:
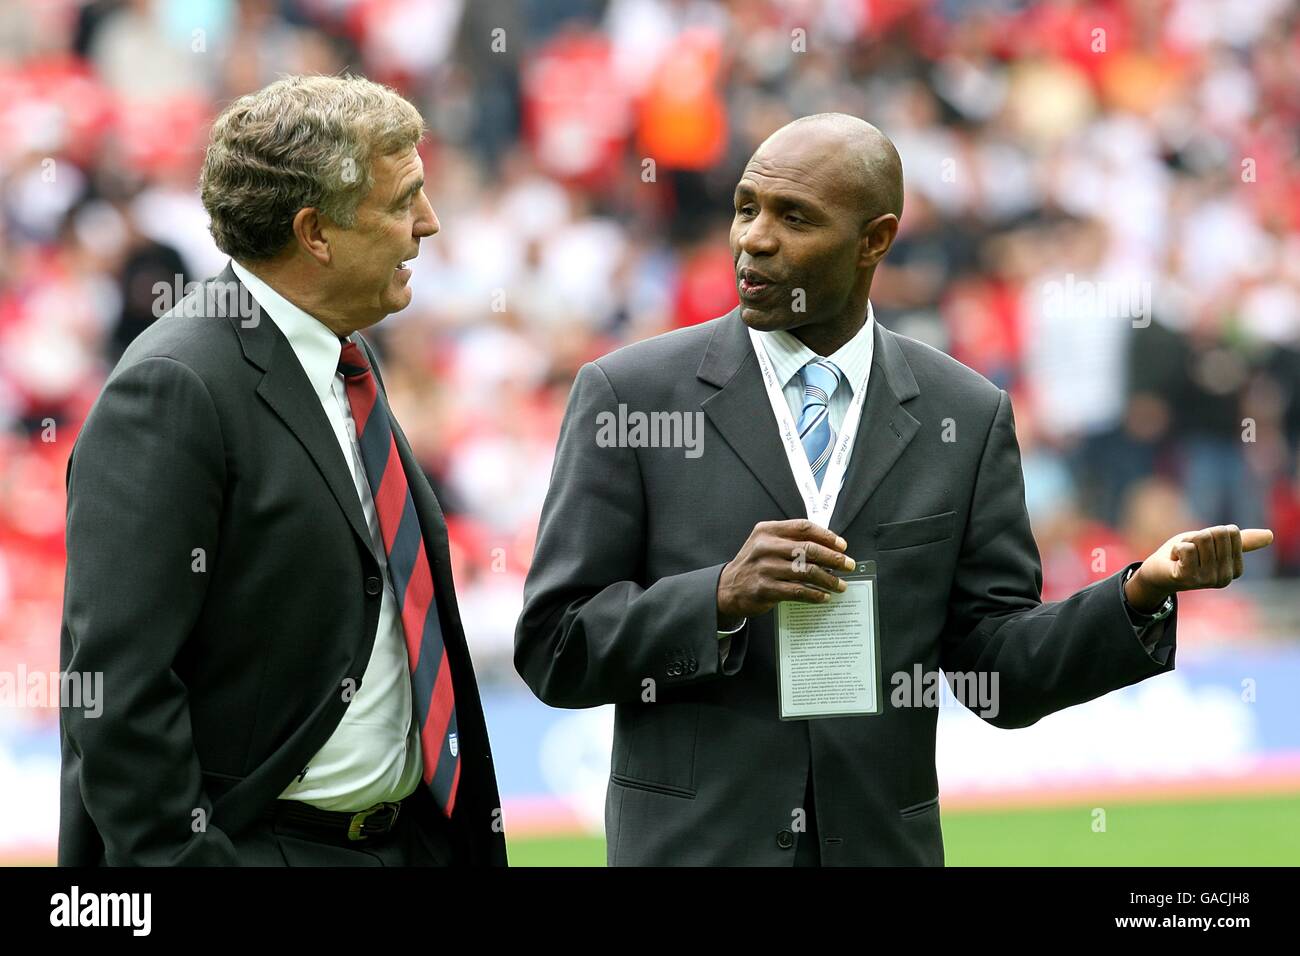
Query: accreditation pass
column 828, row 655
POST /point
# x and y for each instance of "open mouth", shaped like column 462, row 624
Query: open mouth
column 754, row 285
column 403, row 268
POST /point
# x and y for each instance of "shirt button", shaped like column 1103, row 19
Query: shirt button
column 785, row 839
column 374, row 586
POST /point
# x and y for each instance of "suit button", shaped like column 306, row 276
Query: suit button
column 785, row 839
column 374, row 586
column 692, row 666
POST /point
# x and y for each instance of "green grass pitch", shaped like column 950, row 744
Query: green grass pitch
column 1250, row 831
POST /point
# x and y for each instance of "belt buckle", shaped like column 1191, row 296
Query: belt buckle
column 356, row 826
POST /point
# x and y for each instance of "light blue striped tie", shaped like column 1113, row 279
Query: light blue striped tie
column 820, row 379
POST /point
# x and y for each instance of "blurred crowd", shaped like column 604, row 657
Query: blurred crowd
column 1102, row 216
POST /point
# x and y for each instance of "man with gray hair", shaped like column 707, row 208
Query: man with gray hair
column 256, row 563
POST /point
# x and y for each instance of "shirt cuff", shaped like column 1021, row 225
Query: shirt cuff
column 1146, row 627
column 724, row 640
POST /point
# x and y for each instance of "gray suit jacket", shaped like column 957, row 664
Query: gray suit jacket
column 623, row 588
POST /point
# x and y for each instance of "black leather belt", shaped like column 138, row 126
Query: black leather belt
column 373, row 823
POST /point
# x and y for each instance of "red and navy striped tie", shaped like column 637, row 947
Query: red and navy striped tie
column 408, row 565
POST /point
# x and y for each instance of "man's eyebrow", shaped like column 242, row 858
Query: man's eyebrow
column 410, row 191
column 783, row 199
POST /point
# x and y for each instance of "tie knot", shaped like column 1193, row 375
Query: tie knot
column 821, row 377
column 352, row 361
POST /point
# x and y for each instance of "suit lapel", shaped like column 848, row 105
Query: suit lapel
column 285, row 388
column 741, row 413
column 884, row 431
column 433, row 524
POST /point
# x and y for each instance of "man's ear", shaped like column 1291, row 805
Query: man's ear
column 309, row 228
column 877, row 237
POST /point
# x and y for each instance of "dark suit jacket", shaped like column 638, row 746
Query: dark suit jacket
column 623, row 587
column 221, row 684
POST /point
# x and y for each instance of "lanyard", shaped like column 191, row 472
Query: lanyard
column 819, row 503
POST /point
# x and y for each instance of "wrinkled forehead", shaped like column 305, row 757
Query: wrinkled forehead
column 813, row 162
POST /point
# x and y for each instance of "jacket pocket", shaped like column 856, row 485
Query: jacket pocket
column 649, row 786
column 915, row 531
column 919, row 809
column 218, row 784
column 655, row 744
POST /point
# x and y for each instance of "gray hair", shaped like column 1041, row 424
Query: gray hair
column 301, row 141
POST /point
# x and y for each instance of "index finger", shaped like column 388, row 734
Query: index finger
column 1252, row 539
column 826, row 557
column 801, row 529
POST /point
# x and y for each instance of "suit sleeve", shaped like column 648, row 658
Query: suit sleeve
column 593, row 631
column 1155, row 637
column 144, row 491
column 1044, row 657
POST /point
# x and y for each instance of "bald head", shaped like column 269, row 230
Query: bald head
column 853, row 151
column 817, row 208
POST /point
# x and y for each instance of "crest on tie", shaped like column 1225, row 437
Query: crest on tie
column 453, row 744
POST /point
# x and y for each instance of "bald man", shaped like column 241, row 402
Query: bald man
column 707, row 475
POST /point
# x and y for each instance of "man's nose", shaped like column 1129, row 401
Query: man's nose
column 426, row 223
column 758, row 238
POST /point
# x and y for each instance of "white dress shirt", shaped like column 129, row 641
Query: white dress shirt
column 374, row 753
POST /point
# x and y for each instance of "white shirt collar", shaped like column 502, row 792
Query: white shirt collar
column 316, row 346
column 788, row 355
